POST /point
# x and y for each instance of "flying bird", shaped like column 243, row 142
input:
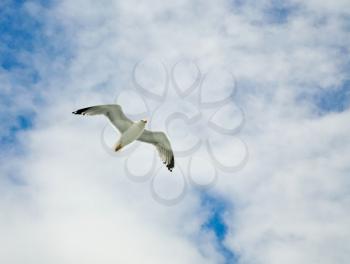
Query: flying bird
column 131, row 131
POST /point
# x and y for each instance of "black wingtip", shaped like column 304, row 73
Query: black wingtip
column 171, row 165
column 80, row 111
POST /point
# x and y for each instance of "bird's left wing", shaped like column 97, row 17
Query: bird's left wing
column 113, row 112
column 162, row 143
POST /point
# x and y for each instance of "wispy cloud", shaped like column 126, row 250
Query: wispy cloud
column 64, row 199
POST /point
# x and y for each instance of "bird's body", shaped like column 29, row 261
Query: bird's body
column 130, row 135
column 131, row 131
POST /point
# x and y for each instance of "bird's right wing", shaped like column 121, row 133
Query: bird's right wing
column 113, row 112
column 162, row 143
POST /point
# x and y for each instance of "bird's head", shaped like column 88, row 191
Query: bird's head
column 144, row 121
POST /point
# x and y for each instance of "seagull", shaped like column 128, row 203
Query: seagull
column 131, row 131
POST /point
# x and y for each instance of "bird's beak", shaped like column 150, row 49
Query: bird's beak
column 144, row 121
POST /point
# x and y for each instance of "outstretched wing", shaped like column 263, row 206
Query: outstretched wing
column 162, row 143
column 113, row 112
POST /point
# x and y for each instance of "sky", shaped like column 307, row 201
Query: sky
column 254, row 97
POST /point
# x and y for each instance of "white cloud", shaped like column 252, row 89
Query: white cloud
column 290, row 200
column 294, row 208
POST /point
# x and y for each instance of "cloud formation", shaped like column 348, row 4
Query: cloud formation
column 64, row 199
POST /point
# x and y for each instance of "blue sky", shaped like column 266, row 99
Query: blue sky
column 20, row 33
column 279, row 11
column 23, row 38
column 336, row 100
column 215, row 223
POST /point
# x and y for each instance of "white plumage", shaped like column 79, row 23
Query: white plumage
column 131, row 131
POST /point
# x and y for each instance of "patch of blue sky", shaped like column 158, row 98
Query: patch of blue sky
column 333, row 100
column 279, row 12
column 20, row 123
column 237, row 3
column 273, row 12
column 330, row 100
column 21, row 35
column 215, row 223
column 19, row 31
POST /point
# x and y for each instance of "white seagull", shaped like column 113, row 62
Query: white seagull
column 131, row 131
